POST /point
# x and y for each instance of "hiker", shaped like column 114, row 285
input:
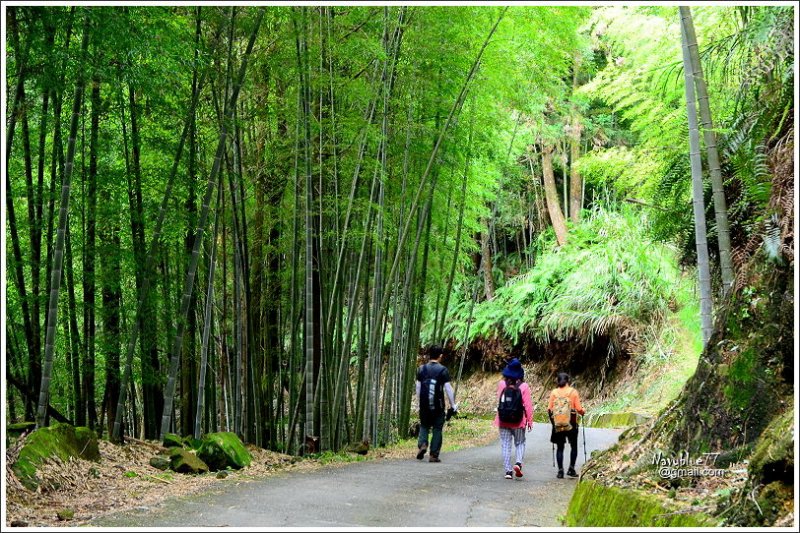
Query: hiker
column 514, row 415
column 563, row 408
column 432, row 379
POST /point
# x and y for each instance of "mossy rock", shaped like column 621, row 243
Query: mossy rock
column 222, row 450
column 58, row 440
column 616, row 420
column 596, row 505
column 160, row 462
column 186, row 462
column 773, row 458
column 16, row 430
column 175, row 451
column 172, row 440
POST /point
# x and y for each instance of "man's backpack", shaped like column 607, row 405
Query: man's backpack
column 562, row 413
column 431, row 393
column 510, row 408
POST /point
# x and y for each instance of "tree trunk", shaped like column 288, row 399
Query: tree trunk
column 576, row 181
column 703, row 270
column 110, row 265
column 47, row 75
column 32, row 224
column 19, row 281
column 189, row 362
column 717, row 187
column 88, row 266
column 75, row 339
column 311, row 324
column 551, row 195
column 188, row 402
column 206, row 326
column 58, row 256
column 486, row 262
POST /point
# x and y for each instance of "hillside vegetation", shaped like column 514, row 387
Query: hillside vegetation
column 259, row 219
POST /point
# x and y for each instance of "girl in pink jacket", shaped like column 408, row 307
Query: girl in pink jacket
column 514, row 415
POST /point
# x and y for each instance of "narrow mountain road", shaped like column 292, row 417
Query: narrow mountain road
column 466, row 489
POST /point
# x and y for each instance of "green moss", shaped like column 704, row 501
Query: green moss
column 65, row 514
column 733, row 325
column 770, row 487
column 174, row 451
column 58, row 440
column 15, row 431
column 742, row 374
column 186, row 462
column 596, row 505
column 773, row 458
column 172, row 440
column 223, row 449
column 615, row 420
column 19, row 428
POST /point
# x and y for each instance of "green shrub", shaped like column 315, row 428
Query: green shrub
column 610, row 279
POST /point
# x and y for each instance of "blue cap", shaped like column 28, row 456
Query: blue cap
column 514, row 370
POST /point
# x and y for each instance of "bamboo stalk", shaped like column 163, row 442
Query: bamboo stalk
column 58, row 256
column 703, row 270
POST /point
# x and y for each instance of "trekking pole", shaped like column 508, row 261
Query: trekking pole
column 554, row 454
column 583, row 423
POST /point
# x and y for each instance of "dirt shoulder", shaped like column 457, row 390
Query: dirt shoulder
column 76, row 492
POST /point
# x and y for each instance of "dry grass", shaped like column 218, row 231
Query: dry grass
column 123, row 479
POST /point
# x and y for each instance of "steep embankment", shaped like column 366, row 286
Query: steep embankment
column 739, row 403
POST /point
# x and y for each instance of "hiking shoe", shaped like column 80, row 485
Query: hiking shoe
column 560, row 474
column 434, row 459
column 518, row 469
column 509, row 474
column 572, row 473
column 421, row 453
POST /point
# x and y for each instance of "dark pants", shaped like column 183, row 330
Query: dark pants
column 426, row 423
column 560, row 440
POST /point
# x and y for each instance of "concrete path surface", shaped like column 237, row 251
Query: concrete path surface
column 466, row 489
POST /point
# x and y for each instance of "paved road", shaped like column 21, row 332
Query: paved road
column 466, row 489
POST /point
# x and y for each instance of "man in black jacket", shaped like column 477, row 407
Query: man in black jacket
column 432, row 380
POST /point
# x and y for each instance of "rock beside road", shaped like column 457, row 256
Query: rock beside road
column 58, row 441
column 186, row 462
column 223, row 450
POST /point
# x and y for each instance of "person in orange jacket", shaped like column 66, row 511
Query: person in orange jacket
column 565, row 402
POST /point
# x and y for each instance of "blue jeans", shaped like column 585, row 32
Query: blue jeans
column 437, row 423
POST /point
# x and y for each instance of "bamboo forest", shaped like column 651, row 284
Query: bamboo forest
column 234, row 234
